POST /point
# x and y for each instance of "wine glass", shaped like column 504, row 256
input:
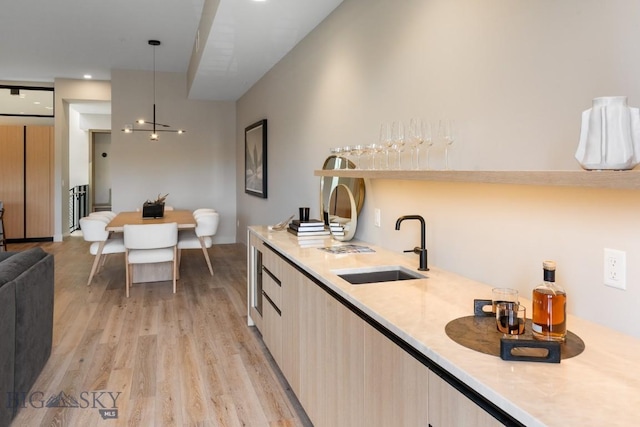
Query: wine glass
column 366, row 151
column 419, row 133
column 357, row 150
column 337, row 151
column 375, row 149
column 347, row 150
column 386, row 141
column 428, row 141
column 447, row 132
column 398, row 140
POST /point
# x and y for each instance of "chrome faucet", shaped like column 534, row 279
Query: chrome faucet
column 422, row 250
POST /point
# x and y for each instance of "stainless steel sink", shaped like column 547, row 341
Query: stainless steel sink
column 388, row 273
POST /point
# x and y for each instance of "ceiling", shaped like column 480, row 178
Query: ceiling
column 44, row 40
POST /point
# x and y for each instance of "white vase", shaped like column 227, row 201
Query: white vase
column 610, row 135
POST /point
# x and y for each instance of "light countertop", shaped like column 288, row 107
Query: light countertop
column 600, row 387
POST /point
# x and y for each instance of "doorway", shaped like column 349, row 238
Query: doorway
column 100, row 172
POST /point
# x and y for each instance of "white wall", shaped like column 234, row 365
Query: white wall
column 69, row 91
column 78, row 151
column 197, row 169
column 101, row 164
column 516, row 75
column 79, row 126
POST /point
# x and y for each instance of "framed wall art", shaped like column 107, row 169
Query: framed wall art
column 255, row 159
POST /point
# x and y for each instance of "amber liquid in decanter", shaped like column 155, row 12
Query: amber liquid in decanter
column 549, row 317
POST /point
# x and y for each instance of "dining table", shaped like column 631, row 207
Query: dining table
column 159, row 272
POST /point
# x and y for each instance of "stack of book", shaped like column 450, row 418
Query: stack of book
column 337, row 229
column 312, row 229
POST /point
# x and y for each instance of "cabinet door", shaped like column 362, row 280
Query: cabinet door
column 254, row 280
column 291, row 281
column 12, row 179
column 396, row 385
column 450, row 408
column 313, row 303
column 272, row 329
column 39, row 178
column 344, row 358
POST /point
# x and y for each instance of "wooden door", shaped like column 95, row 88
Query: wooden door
column 12, row 179
column 38, row 182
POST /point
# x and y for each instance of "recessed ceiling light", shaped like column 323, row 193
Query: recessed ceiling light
column 36, row 102
column 88, row 76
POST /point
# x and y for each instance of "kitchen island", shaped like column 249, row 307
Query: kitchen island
column 599, row 387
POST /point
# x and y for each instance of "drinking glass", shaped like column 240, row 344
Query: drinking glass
column 366, row 151
column 347, row 150
column 419, row 133
column 499, row 295
column 428, row 142
column 447, row 133
column 398, row 140
column 357, row 151
column 385, row 141
column 337, row 151
column 511, row 318
column 375, row 149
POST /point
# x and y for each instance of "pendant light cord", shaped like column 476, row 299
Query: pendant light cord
column 154, row 89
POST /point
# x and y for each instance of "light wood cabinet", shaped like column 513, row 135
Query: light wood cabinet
column 26, row 177
column 396, row 384
column 313, row 333
column 38, row 181
column 345, row 370
column 12, row 179
column 272, row 328
column 450, row 408
column 291, row 282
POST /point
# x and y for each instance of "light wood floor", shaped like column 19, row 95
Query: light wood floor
column 176, row 359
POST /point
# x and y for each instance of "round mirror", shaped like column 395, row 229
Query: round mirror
column 342, row 214
column 329, row 183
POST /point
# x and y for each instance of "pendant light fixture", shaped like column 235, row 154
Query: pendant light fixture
column 144, row 124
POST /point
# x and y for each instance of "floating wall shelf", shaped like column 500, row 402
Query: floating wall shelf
column 579, row 178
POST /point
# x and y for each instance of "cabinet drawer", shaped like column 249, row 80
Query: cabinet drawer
column 272, row 331
column 272, row 262
column 272, row 286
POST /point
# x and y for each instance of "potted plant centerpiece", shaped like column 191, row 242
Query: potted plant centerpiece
column 155, row 208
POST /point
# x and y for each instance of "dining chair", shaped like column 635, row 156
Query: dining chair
column 94, row 231
column 201, row 210
column 202, row 236
column 150, row 244
column 107, row 214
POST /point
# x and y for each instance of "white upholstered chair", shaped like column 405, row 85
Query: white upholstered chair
column 150, row 244
column 94, row 231
column 202, row 236
column 107, row 214
column 201, row 210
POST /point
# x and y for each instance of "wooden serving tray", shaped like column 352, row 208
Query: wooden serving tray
column 480, row 333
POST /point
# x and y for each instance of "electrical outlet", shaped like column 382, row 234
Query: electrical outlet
column 615, row 268
column 376, row 219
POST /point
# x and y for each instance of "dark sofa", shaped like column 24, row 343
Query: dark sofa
column 26, row 324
